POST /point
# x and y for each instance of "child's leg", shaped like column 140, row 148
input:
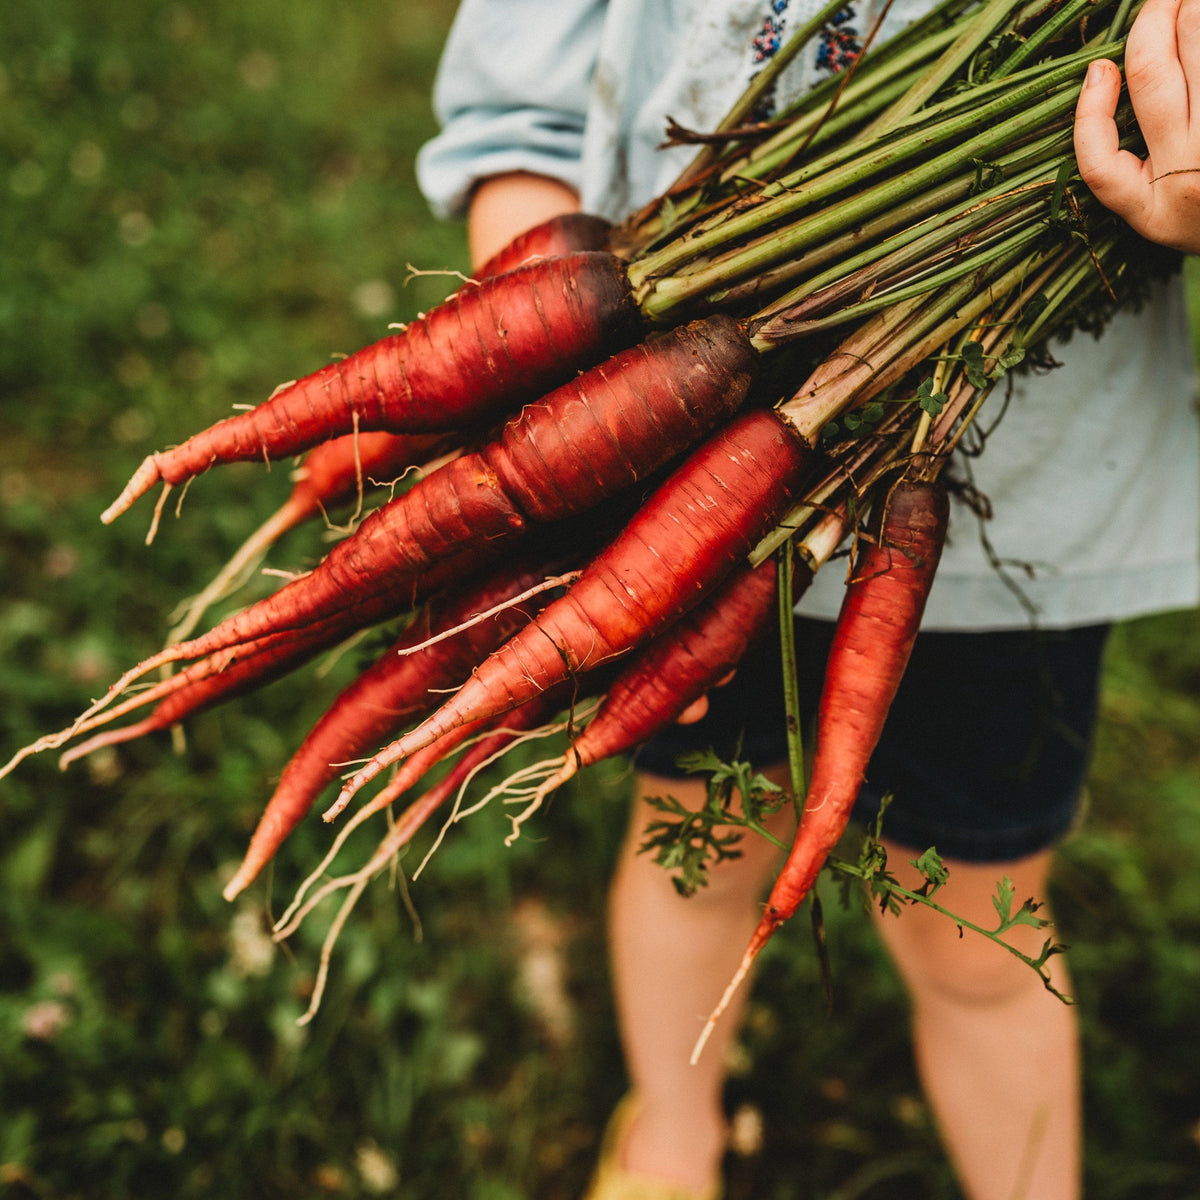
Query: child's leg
column 672, row 958
column 997, row 1053
column 1000, row 765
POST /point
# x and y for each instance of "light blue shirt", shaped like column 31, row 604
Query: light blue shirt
column 1092, row 474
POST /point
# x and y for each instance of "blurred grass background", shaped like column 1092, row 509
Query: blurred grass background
column 197, row 202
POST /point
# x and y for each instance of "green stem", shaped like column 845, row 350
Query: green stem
column 1122, row 20
column 1043, row 35
column 660, row 296
column 876, row 364
column 848, row 479
column 923, row 226
column 791, row 688
column 893, row 228
column 1002, row 250
column 979, row 29
column 1078, row 282
column 894, row 889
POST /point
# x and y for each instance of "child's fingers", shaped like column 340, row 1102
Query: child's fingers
column 699, row 708
column 1162, row 52
column 1114, row 175
column 1187, row 34
column 1160, row 195
column 694, row 712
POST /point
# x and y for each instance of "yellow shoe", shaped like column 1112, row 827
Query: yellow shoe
column 612, row 1182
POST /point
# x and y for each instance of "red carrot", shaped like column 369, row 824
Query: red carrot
column 568, row 233
column 225, row 675
column 490, row 347
column 234, row 671
column 332, row 474
column 397, row 687
column 679, row 546
column 334, row 470
column 589, row 439
column 208, row 681
column 614, row 425
column 876, row 628
column 505, row 729
column 687, row 660
column 675, row 669
column 604, row 431
column 392, row 548
column 187, row 694
column 492, row 737
column 406, row 778
column 397, row 837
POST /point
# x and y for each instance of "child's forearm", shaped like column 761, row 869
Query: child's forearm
column 505, row 205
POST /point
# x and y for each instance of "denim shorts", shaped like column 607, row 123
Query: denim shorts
column 984, row 752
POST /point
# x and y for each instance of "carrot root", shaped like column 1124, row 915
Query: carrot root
column 762, row 935
column 876, row 629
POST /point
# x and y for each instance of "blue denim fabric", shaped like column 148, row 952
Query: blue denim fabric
column 985, row 749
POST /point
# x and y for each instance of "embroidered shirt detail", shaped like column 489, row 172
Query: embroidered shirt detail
column 764, row 46
column 838, row 44
column 767, row 40
column 836, row 47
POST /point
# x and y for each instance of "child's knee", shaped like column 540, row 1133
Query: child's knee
column 967, row 971
column 943, row 962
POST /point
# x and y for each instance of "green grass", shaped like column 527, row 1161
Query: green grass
column 200, row 202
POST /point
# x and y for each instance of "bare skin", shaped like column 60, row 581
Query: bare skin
column 671, row 958
column 1160, row 194
column 506, row 205
column 984, row 1027
column 997, row 1054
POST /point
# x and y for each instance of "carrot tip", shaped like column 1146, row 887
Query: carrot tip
column 235, row 886
column 110, row 737
column 343, row 798
column 762, row 934
column 144, row 478
column 335, row 809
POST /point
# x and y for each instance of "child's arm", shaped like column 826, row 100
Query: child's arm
column 503, row 206
column 1160, row 195
column 512, row 96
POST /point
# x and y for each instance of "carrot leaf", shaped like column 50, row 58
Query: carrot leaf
column 930, row 401
column 1002, row 901
column 689, row 841
column 871, row 871
column 933, row 869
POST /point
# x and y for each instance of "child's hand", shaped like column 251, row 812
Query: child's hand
column 1160, row 195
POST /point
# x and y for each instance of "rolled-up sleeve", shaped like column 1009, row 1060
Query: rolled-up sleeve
column 511, row 94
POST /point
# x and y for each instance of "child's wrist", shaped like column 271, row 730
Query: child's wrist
column 503, row 206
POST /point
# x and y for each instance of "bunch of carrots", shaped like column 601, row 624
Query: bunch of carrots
column 618, row 430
